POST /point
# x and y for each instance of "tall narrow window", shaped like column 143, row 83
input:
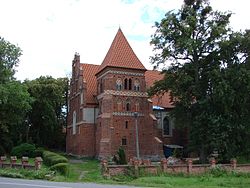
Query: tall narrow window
column 124, row 141
column 126, row 124
column 74, row 122
column 129, row 84
column 118, row 84
column 128, row 107
column 137, row 85
column 126, row 83
column 166, row 127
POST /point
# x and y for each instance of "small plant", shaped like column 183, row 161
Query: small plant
column 120, row 158
column 51, row 158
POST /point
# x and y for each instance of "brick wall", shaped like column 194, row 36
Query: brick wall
column 138, row 167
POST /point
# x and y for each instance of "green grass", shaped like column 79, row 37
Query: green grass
column 88, row 170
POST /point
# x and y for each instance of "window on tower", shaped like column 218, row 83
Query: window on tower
column 119, row 84
column 137, row 85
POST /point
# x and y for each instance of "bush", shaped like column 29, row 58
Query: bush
column 39, row 152
column 51, row 158
column 62, row 168
column 24, row 149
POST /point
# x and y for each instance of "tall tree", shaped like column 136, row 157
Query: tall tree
column 14, row 99
column 48, row 115
column 195, row 40
column 9, row 59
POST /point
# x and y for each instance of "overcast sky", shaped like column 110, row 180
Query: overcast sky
column 50, row 31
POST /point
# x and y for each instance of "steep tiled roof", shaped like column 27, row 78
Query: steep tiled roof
column 151, row 77
column 120, row 54
column 89, row 72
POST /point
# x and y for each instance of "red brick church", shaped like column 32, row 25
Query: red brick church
column 107, row 101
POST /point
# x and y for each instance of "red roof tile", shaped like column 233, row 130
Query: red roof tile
column 164, row 101
column 120, row 54
column 89, row 72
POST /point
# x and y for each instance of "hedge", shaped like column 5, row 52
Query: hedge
column 62, row 168
column 24, row 149
column 51, row 158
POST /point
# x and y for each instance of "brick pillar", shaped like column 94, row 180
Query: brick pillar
column 105, row 170
column 38, row 163
column 190, row 166
column 136, row 167
column 2, row 160
column 13, row 160
column 146, row 162
column 164, row 164
column 233, row 164
column 212, row 162
column 25, row 161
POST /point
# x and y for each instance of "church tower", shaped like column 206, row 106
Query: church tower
column 123, row 102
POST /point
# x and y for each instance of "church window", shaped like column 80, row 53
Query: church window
column 74, row 122
column 128, row 107
column 124, row 141
column 130, row 84
column 137, row 85
column 126, row 83
column 119, row 84
column 126, row 124
column 166, row 127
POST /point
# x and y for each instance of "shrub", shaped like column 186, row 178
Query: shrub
column 62, row 168
column 51, row 158
column 39, row 152
column 120, row 158
column 24, row 149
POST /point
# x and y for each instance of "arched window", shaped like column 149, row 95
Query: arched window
column 128, row 107
column 137, row 85
column 166, row 127
column 119, row 84
column 130, row 84
column 126, row 83
column 74, row 122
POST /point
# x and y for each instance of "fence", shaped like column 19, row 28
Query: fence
column 146, row 166
column 12, row 163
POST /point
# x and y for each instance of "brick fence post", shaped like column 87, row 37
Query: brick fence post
column 38, row 163
column 212, row 162
column 13, row 160
column 136, row 167
column 2, row 160
column 189, row 166
column 25, row 161
column 164, row 165
column 105, row 170
column 233, row 163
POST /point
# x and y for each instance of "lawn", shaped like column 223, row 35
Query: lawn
column 88, row 170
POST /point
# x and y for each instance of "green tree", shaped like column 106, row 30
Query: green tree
column 48, row 115
column 14, row 99
column 9, row 59
column 196, row 40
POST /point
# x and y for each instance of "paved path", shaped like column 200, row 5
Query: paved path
column 21, row 183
